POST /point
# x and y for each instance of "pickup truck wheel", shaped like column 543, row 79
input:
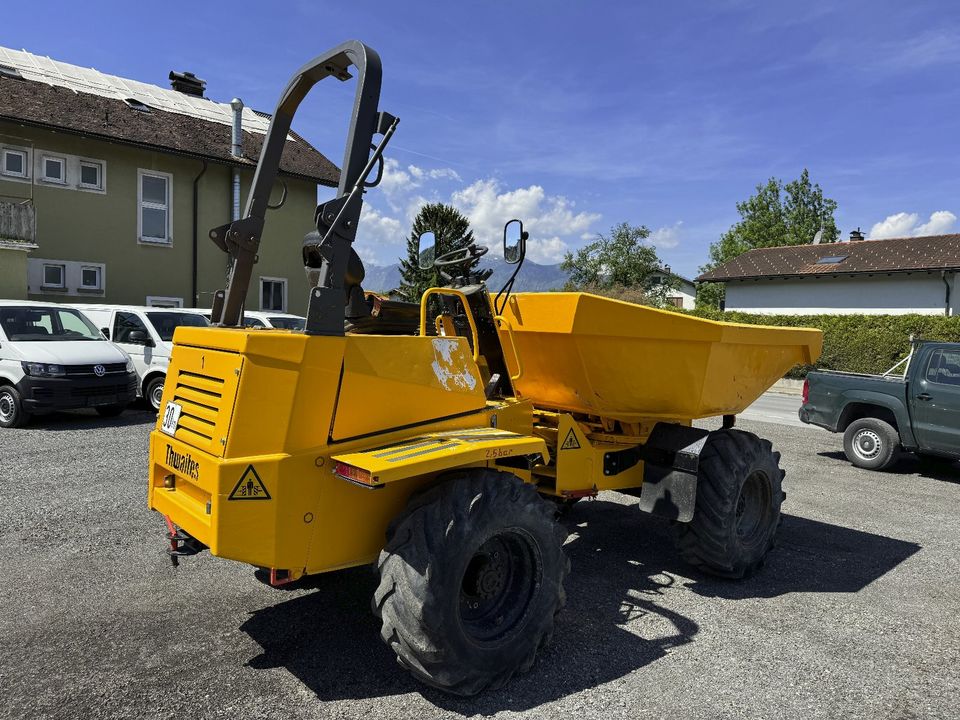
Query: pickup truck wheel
column 12, row 414
column 154, row 392
column 470, row 581
column 739, row 493
column 871, row 443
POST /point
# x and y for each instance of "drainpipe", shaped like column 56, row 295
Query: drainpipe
column 196, row 212
column 946, row 299
column 236, row 149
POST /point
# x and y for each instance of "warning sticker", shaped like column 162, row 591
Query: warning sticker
column 570, row 442
column 249, row 487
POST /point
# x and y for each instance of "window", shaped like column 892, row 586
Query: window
column 53, row 276
column 165, row 322
column 832, row 260
column 125, row 323
column 159, row 301
column 91, row 175
column 91, row 277
column 44, row 324
column 944, row 368
column 273, row 294
column 53, row 170
column 154, row 196
column 675, row 301
column 252, row 322
column 14, row 163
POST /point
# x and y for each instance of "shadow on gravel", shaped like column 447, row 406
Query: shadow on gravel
column 926, row 466
column 330, row 640
column 89, row 420
column 623, row 570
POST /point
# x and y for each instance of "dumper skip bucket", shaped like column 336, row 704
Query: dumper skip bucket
column 607, row 358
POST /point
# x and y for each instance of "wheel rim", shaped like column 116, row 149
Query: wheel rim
column 7, row 408
column 499, row 585
column 753, row 508
column 867, row 444
column 156, row 395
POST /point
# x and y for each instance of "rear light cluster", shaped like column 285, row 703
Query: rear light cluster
column 355, row 474
column 806, row 391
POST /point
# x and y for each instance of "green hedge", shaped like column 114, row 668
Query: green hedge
column 855, row 343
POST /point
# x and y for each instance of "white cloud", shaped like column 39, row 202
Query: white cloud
column 905, row 224
column 398, row 182
column 666, row 237
column 378, row 234
column 550, row 219
column 940, row 222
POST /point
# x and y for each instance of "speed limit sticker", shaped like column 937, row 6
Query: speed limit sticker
column 171, row 417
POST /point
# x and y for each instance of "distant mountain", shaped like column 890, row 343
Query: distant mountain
column 532, row 277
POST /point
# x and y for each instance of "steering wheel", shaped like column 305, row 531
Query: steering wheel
column 460, row 255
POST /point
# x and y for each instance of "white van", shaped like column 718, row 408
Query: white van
column 265, row 319
column 146, row 334
column 53, row 358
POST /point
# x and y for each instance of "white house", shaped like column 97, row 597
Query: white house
column 681, row 296
column 897, row 276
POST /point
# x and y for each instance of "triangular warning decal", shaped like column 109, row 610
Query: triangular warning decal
column 570, row 442
column 249, row 487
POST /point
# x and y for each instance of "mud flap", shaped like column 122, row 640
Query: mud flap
column 671, row 461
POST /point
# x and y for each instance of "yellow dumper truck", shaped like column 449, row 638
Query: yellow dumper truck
column 438, row 440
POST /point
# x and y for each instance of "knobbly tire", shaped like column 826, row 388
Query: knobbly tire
column 739, row 494
column 470, row 581
column 871, row 443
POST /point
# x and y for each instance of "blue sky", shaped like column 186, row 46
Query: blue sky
column 578, row 115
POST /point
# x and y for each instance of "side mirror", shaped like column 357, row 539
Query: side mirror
column 139, row 337
column 106, row 332
column 514, row 242
column 427, row 249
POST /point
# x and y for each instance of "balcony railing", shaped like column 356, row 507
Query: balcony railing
column 18, row 222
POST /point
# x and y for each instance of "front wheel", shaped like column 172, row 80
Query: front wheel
column 154, row 392
column 739, row 494
column 871, row 443
column 12, row 414
column 470, row 581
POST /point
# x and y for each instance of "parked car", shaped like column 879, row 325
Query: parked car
column 879, row 415
column 266, row 319
column 53, row 358
column 146, row 334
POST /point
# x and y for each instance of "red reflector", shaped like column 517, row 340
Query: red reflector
column 354, row 474
column 806, row 391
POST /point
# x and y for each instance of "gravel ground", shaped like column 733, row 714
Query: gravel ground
column 854, row 616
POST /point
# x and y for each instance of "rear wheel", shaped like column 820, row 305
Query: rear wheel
column 871, row 443
column 153, row 393
column 739, row 494
column 470, row 581
column 12, row 414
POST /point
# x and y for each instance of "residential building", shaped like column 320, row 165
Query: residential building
column 683, row 292
column 124, row 180
column 896, row 276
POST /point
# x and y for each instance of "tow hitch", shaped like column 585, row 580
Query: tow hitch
column 182, row 543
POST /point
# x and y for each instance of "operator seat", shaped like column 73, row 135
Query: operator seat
column 364, row 313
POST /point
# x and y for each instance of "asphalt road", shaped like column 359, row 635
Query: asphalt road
column 854, row 616
column 775, row 408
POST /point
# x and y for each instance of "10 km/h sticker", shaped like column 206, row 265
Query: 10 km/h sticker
column 249, row 487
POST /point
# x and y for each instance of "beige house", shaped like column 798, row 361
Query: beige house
column 108, row 188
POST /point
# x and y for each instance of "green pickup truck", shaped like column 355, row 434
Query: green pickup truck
column 880, row 415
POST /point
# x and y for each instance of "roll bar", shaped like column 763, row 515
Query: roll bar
column 336, row 219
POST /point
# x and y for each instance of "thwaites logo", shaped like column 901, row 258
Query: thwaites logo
column 183, row 463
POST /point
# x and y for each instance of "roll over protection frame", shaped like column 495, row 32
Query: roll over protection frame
column 336, row 219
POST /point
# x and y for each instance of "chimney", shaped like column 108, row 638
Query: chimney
column 856, row 235
column 187, row 83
